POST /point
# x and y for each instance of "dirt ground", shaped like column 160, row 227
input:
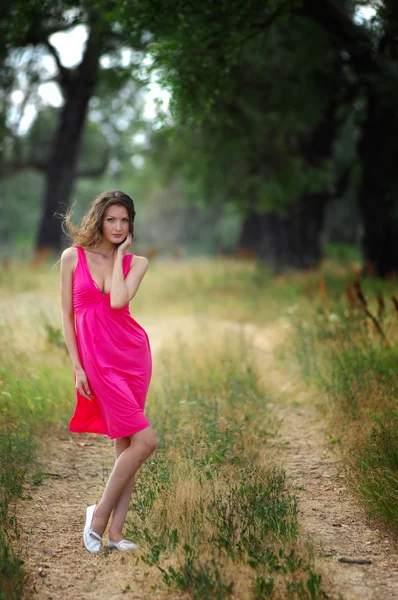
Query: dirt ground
column 77, row 467
column 330, row 516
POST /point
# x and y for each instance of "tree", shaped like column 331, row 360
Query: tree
column 260, row 136
column 373, row 57
column 28, row 26
column 200, row 44
column 21, row 209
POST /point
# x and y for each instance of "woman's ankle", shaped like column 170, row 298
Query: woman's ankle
column 115, row 536
column 98, row 523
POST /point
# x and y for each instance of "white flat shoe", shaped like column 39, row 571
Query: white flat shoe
column 122, row 545
column 90, row 544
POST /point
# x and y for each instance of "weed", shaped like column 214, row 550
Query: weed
column 264, row 588
column 202, row 579
column 206, row 486
column 243, row 518
column 310, row 589
column 353, row 359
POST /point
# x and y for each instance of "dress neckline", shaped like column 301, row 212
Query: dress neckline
column 97, row 287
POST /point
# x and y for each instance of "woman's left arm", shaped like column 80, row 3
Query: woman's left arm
column 123, row 290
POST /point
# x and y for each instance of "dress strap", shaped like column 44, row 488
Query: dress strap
column 82, row 257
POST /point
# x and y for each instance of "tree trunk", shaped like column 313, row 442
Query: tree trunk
column 61, row 171
column 295, row 241
column 377, row 194
column 252, row 232
column 288, row 242
column 375, row 65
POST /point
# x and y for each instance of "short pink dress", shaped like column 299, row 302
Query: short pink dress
column 115, row 353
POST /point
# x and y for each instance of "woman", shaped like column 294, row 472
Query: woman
column 110, row 352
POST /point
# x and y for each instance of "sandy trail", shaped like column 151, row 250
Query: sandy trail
column 330, row 516
column 51, row 516
column 51, row 522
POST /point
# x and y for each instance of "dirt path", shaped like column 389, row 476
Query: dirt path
column 51, row 515
column 330, row 516
column 51, row 521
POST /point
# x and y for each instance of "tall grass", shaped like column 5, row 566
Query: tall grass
column 34, row 398
column 348, row 346
column 209, row 501
column 220, row 287
column 209, row 510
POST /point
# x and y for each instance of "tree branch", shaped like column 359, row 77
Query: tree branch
column 355, row 39
column 11, row 167
column 64, row 73
column 39, row 33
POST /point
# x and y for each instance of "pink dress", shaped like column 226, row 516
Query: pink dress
column 115, row 353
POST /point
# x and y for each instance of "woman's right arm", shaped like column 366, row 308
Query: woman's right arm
column 68, row 263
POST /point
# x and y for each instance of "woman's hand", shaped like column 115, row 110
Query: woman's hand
column 123, row 247
column 82, row 384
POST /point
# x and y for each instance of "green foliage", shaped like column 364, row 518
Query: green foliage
column 342, row 253
column 248, row 513
column 211, row 430
column 16, row 450
column 309, row 590
column 249, row 140
column 377, row 464
column 348, row 360
column 12, row 575
column 203, row 580
column 18, row 229
column 55, row 336
column 264, row 588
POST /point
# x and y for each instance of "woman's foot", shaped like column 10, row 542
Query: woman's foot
column 123, row 545
column 115, row 536
column 91, row 539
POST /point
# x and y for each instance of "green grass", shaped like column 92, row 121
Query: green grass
column 207, row 499
column 341, row 351
column 16, row 448
column 207, row 481
column 35, row 397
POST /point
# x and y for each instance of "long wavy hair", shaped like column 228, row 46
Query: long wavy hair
column 89, row 233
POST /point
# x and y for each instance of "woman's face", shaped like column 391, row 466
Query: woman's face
column 115, row 224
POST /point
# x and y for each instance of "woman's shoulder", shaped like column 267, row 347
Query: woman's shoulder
column 69, row 256
column 139, row 260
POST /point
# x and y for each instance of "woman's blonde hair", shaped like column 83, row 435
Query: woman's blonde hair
column 89, row 233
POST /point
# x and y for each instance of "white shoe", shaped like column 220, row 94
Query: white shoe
column 122, row 545
column 90, row 544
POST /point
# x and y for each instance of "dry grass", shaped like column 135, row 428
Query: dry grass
column 210, row 498
column 209, row 505
column 347, row 345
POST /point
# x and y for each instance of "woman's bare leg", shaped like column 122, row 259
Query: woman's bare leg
column 140, row 448
column 121, row 507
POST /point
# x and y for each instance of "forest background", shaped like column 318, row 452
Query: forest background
column 258, row 140
column 279, row 139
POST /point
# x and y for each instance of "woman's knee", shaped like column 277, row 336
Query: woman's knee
column 150, row 442
column 146, row 439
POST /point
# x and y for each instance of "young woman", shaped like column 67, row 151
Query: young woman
column 110, row 352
